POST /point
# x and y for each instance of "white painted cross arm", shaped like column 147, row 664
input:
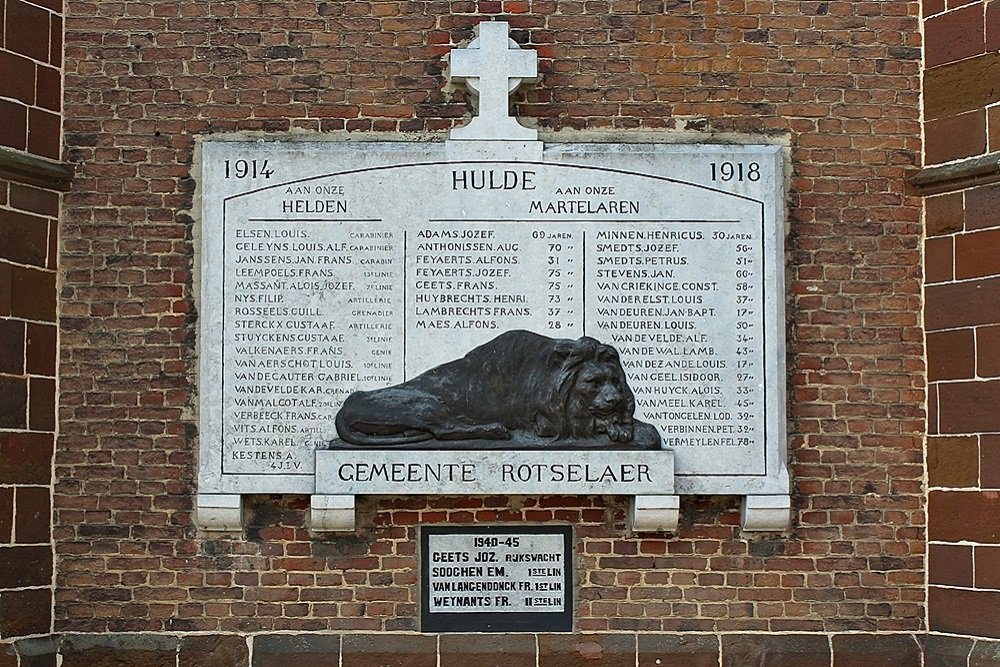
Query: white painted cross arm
column 493, row 66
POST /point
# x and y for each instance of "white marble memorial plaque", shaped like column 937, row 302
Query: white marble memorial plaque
column 496, row 578
column 333, row 267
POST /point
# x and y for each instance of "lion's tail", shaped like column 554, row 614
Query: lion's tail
column 349, row 433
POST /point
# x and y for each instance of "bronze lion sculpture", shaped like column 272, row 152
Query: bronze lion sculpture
column 521, row 385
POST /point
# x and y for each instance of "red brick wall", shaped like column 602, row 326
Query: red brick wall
column 962, row 316
column 30, row 78
column 838, row 81
column 27, row 405
column 30, row 104
column 962, row 61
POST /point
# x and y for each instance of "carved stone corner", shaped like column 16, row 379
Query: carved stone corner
column 219, row 512
column 655, row 514
column 767, row 513
column 331, row 514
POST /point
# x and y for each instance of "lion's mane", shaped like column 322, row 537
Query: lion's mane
column 563, row 403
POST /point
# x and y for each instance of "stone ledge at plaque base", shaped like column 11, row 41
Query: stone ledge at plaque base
column 316, row 287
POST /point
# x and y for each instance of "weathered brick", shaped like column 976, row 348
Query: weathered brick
column 954, row 516
column 976, row 254
column 33, row 518
column 954, row 35
column 34, row 200
column 42, row 404
column 403, row 651
column 49, row 88
column 27, row 458
column 6, row 295
column 964, row 407
column 44, row 133
column 6, row 515
column 951, row 354
column 485, row 650
column 13, row 402
column 24, row 237
column 572, row 650
column 953, row 461
column 987, row 567
column 985, row 653
column 943, row 651
column 25, row 612
column 22, row 566
column 775, row 651
column 12, row 342
column 944, row 214
column 992, row 26
column 962, row 304
column 119, row 651
column 14, row 129
column 939, row 259
column 988, row 351
column 40, row 349
column 962, row 611
column 931, row 7
column 678, row 650
column 954, row 137
column 949, row 564
column 993, row 125
column 981, row 207
column 867, row 650
column 217, row 651
column 961, row 87
column 37, row 652
column 33, row 294
column 55, row 34
column 31, row 38
column 18, row 75
column 989, row 461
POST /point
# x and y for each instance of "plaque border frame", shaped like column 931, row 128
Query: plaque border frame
column 489, row 622
column 218, row 506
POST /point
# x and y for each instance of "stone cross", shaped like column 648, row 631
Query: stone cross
column 493, row 66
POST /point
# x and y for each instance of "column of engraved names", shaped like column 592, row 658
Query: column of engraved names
column 660, row 298
column 288, row 341
column 468, row 280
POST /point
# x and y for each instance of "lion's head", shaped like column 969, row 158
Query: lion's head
column 591, row 392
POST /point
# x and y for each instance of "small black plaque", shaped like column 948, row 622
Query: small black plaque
column 496, row 579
